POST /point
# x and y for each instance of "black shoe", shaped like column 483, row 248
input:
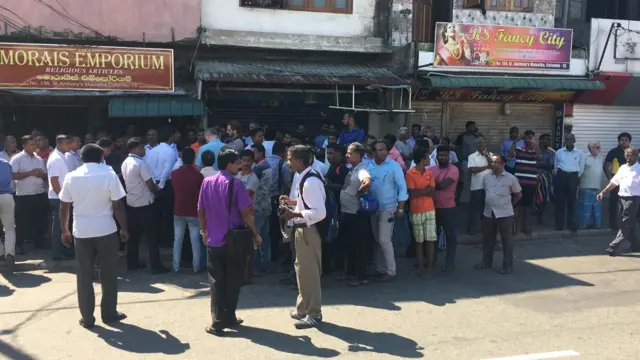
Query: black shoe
column 11, row 262
column 214, row 331
column 446, row 269
column 160, row 270
column 20, row 250
column 119, row 317
column 611, row 251
column 506, row 271
column 139, row 266
column 482, row 266
column 86, row 325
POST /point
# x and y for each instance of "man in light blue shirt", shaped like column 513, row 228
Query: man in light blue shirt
column 7, row 214
column 389, row 188
column 514, row 132
column 213, row 144
column 568, row 168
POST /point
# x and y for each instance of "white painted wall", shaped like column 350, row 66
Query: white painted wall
column 600, row 31
column 228, row 15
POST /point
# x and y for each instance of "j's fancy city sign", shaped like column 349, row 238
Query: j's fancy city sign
column 62, row 67
column 497, row 46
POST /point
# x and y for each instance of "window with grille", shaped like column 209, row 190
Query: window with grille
column 510, row 5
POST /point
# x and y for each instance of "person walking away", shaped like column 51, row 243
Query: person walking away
column 507, row 144
column 613, row 161
column 7, row 214
column 390, row 189
column 32, row 206
column 217, row 223
column 262, row 208
column 269, row 139
column 72, row 156
column 421, row 186
column 96, row 195
column 526, row 171
column 309, row 211
column 544, row 191
column 57, row 169
column 208, row 161
column 503, row 192
column 568, row 169
column 589, row 211
column 479, row 167
column 627, row 180
column 251, row 182
column 352, row 222
column 187, row 181
column 352, row 133
column 140, row 209
column 213, row 144
column 465, row 146
column 446, row 177
column 234, row 131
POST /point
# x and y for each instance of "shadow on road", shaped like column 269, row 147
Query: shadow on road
column 24, row 280
column 134, row 339
column 9, row 352
column 5, row 291
column 298, row 345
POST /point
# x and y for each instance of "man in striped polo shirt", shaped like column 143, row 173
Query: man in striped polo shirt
column 526, row 171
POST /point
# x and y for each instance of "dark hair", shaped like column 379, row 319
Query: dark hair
column 226, row 157
column 338, row 148
column 303, row 153
column 416, row 126
column 208, row 158
column 235, row 125
column 391, row 139
column 260, row 148
column 422, row 143
column 503, row 159
column 446, row 138
column 133, row 143
column 371, row 137
column 443, row 148
column 25, row 139
column 624, row 134
column 91, row 153
column 359, row 148
column 529, row 132
column 255, row 132
column 188, row 156
column 351, row 115
column 385, row 142
column 469, row 123
column 420, row 153
column 270, row 133
column 166, row 133
column 104, row 142
column 545, row 135
column 333, row 133
column 278, row 148
column 247, row 152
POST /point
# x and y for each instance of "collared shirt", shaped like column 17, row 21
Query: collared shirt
column 237, row 144
column 616, row 157
column 349, row 136
column 4, row 155
column 498, row 194
column 420, row 180
column 570, row 161
column 628, row 180
column 262, row 196
column 268, row 147
column 548, row 159
column 135, row 173
column 349, row 202
column 478, row 160
column 5, row 177
column 277, row 164
column 395, row 155
column 56, row 167
column 148, row 147
column 208, row 171
column 466, row 143
column 388, row 184
column 44, row 154
column 504, row 150
column 250, row 181
column 196, row 147
column 73, row 160
column 214, row 200
column 214, row 146
column 161, row 160
column 91, row 189
column 186, row 181
column 445, row 198
column 31, row 185
column 453, row 157
column 314, row 197
column 592, row 176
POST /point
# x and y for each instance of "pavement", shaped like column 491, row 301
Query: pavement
column 565, row 300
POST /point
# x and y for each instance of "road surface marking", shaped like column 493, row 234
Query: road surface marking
column 540, row 356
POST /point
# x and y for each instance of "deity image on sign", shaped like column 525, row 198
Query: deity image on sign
column 452, row 48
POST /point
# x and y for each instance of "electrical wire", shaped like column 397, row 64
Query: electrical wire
column 70, row 19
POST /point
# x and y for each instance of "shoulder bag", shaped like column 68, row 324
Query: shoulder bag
column 238, row 240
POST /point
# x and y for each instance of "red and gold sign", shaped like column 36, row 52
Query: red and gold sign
column 62, row 67
column 498, row 96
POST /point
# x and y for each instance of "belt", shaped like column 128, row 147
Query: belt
column 302, row 226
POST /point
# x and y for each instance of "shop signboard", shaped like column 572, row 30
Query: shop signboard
column 64, row 67
column 502, row 47
column 496, row 96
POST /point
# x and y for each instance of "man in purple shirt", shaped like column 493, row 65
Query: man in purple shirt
column 216, row 219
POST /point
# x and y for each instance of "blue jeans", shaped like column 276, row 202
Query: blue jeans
column 589, row 210
column 197, row 247
column 262, row 223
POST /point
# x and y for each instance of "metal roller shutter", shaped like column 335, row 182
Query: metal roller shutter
column 604, row 123
column 428, row 113
column 494, row 125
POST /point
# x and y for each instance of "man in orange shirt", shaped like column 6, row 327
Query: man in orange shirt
column 200, row 140
column 421, row 186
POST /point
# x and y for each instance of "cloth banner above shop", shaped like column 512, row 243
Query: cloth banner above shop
column 95, row 68
column 494, row 95
column 500, row 46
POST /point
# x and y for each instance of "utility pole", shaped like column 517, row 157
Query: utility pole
column 565, row 13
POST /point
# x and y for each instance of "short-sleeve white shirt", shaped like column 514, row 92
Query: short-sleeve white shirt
column 628, row 180
column 56, row 167
column 478, row 160
column 135, row 173
column 91, row 188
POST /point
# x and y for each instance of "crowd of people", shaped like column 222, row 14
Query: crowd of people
column 314, row 205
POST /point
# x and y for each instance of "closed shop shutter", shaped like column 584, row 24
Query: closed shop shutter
column 604, row 123
column 494, row 125
column 428, row 113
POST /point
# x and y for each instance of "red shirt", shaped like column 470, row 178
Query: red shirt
column 44, row 154
column 445, row 199
column 186, row 181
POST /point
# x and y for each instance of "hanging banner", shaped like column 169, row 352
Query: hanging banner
column 498, row 46
column 499, row 96
column 62, row 67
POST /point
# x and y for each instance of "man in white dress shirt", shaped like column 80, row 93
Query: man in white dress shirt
column 627, row 179
column 309, row 211
column 95, row 192
column 57, row 169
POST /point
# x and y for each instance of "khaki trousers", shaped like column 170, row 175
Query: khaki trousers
column 308, row 271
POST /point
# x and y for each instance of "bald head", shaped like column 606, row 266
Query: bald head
column 631, row 155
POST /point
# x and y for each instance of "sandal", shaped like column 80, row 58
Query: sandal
column 213, row 331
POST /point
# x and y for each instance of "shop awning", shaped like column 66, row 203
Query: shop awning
column 155, row 107
column 295, row 72
column 515, row 83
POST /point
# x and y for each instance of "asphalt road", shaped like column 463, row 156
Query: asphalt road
column 566, row 300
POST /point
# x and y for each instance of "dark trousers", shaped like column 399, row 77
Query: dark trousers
column 614, row 209
column 491, row 227
column 141, row 224
column 274, row 230
column 87, row 250
column 164, row 215
column 59, row 251
column 32, row 218
column 566, row 191
column 628, row 210
column 225, row 279
column 476, row 207
column 446, row 221
column 354, row 236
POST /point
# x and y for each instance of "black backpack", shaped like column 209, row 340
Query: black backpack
column 329, row 226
